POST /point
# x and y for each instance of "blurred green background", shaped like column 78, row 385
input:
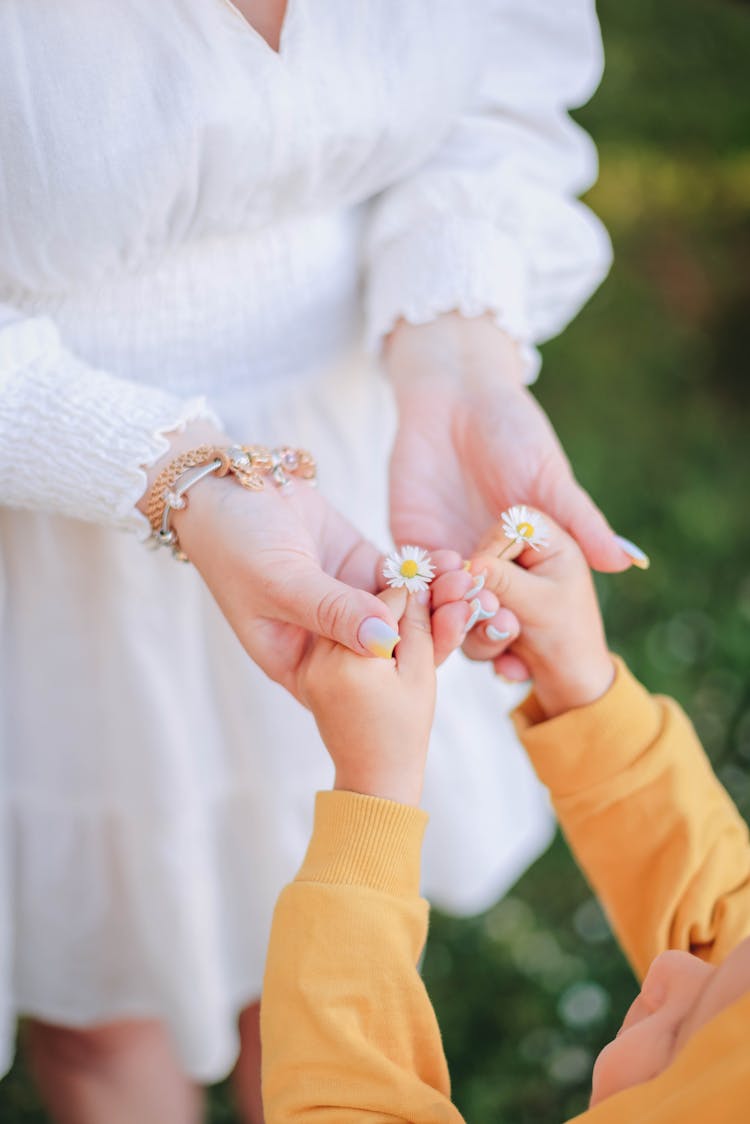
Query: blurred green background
column 649, row 392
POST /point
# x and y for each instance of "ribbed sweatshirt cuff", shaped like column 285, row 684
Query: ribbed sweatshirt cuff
column 590, row 744
column 365, row 841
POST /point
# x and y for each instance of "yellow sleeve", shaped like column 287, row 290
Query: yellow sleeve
column 347, row 1028
column 657, row 836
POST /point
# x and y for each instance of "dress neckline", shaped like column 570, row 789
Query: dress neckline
column 255, row 34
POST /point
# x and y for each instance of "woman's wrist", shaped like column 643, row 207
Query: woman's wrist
column 469, row 352
column 191, row 488
column 194, row 434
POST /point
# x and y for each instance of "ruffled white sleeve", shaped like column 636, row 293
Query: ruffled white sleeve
column 491, row 222
column 73, row 439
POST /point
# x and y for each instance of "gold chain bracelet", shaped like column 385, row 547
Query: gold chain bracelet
column 165, row 481
column 250, row 465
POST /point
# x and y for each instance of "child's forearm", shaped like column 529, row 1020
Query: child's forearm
column 348, row 1030
column 658, row 837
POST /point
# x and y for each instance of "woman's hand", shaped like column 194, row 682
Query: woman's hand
column 282, row 565
column 472, row 441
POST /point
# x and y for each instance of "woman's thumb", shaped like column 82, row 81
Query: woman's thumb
column 327, row 607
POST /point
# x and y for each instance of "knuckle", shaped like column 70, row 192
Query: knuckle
column 499, row 579
column 331, row 613
column 556, row 489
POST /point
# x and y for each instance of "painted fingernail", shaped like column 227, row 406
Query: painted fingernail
column 638, row 557
column 476, row 609
column 378, row 637
column 478, row 614
column 477, row 587
column 495, row 633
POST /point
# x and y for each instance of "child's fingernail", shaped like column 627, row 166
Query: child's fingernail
column 477, row 587
column 495, row 633
column 378, row 637
column 504, row 679
column 638, row 557
column 422, row 596
column 520, row 683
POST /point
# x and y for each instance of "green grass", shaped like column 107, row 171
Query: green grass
column 649, row 392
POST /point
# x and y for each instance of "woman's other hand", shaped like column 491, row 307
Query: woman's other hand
column 472, row 440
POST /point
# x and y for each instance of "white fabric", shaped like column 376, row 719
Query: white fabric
column 190, row 223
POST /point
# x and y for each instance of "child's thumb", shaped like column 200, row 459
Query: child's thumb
column 515, row 588
column 415, row 652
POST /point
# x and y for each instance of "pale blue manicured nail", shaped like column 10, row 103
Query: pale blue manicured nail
column 495, row 633
column 481, row 578
column 378, row 637
column 638, row 557
column 476, row 609
column 478, row 614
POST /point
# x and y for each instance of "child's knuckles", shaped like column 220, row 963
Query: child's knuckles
column 417, row 626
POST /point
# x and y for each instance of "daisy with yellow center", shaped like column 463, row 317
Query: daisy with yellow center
column 410, row 568
column 521, row 524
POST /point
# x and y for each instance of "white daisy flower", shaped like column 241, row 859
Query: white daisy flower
column 521, row 524
column 410, row 567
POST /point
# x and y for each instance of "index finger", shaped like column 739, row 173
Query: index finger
column 415, row 654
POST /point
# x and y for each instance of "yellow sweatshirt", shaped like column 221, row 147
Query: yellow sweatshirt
column 349, row 1033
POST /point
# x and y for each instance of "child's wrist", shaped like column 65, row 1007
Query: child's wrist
column 401, row 788
column 578, row 687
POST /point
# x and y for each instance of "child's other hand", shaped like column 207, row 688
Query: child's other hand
column 562, row 641
column 375, row 715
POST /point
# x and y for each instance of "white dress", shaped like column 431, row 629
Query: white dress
column 191, row 222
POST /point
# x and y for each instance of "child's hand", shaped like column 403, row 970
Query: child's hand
column 375, row 715
column 562, row 641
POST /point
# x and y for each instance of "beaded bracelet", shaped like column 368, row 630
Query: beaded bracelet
column 248, row 464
